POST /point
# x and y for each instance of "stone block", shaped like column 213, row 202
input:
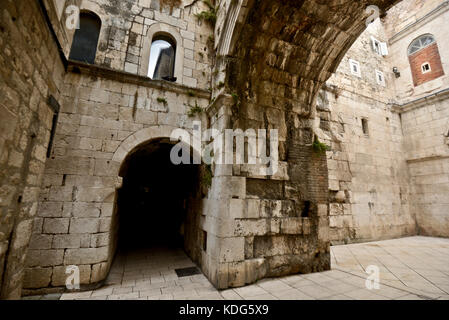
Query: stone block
column 85, row 194
column 99, row 272
column 231, row 249
column 40, row 241
column 86, row 210
column 56, row 225
column 36, row 278
column 322, row 210
column 250, row 227
column 85, row 256
column 255, row 269
column 84, row 225
column 237, row 274
column 291, row 225
column 99, row 240
column 237, row 208
column 66, row 241
column 44, row 258
column 50, row 209
column 253, row 209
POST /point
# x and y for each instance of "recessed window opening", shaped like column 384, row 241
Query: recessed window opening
column 426, row 67
column 365, row 126
column 204, row 241
column 379, row 47
column 162, row 58
column 306, row 210
column 380, row 78
column 85, row 40
column 355, row 67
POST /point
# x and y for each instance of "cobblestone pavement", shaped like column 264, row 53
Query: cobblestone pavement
column 410, row 268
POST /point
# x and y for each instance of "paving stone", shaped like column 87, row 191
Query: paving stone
column 343, row 283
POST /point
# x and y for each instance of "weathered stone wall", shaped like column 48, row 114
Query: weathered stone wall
column 424, row 111
column 129, row 26
column 267, row 76
column 368, row 178
column 392, row 181
column 275, row 67
column 104, row 116
column 31, row 70
column 259, row 224
column 426, row 148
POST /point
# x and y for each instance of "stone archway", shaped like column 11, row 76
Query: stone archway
column 157, row 203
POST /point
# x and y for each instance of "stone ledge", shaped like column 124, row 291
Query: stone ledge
column 430, row 158
column 421, row 102
column 108, row 73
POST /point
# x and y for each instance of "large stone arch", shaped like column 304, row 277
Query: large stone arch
column 294, row 46
column 142, row 136
column 139, row 137
column 273, row 58
column 126, row 151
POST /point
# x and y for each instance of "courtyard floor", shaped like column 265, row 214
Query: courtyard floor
column 413, row 268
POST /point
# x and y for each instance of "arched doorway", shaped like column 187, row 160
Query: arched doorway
column 159, row 203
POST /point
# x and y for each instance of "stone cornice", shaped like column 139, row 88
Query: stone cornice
column 430, row 158
column 415, row 104
column 126, row 77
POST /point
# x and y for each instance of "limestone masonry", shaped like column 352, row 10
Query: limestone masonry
column 85, row 143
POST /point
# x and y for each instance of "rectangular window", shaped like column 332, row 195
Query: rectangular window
column 55, row 107
column 204, row 241
column 379, row 47
column 365, row 126
column 426, row 67
column 380, row 78
column 355, row 68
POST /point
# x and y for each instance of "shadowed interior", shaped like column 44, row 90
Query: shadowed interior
column 156, row 198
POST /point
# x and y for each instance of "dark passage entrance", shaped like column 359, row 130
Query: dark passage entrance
column 158, row 203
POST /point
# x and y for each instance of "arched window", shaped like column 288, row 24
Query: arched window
column 420, row 43
column 162, row 58
column 85, row 40
column 425, row 60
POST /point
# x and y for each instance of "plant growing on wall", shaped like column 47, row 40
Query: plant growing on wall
column 320, row 147
column 236, row 99
column 220, row 85
column 194, row 110
column 162, row 100
column 210, row 16
column 206, row 178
